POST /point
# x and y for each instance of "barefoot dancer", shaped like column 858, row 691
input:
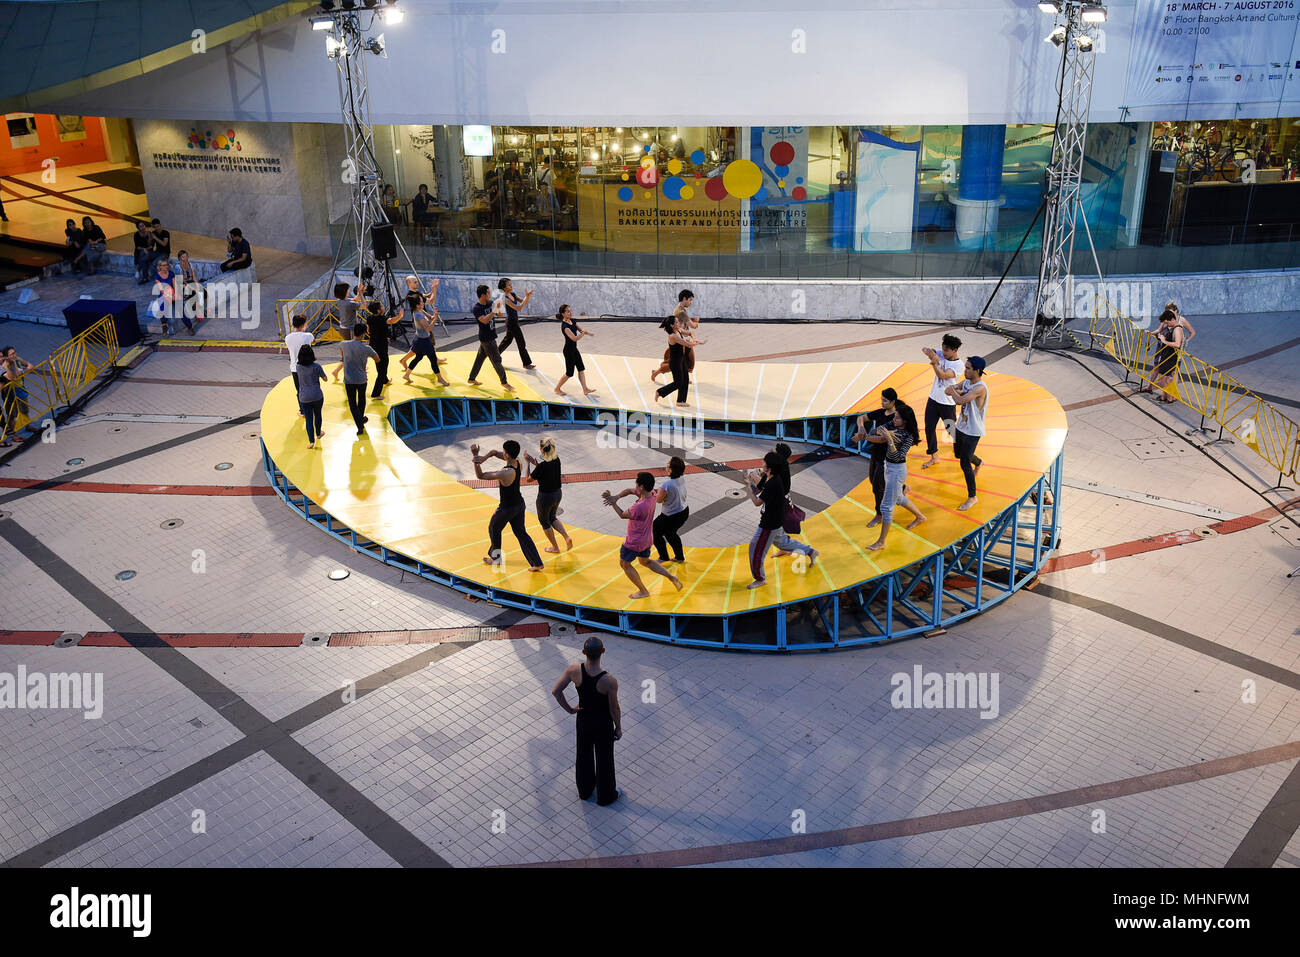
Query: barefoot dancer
column 896, row 440
column 680, row 341
column 876, row 461
column 485, row 314
column 511, row 510
column 684, row 300
column 938, row 407
column 572, row 358
column 771, row 521
column 673, row 514
column 546, row 474
column 972, row 397
column 640, row 533
column 512, row 305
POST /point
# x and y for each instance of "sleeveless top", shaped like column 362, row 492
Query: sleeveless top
column 972, row 416
column 594, row 704
column 570, row 325
column 547, row 476
column 510, row 494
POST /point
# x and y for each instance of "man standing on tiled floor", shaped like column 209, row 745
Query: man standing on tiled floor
column 600, row 722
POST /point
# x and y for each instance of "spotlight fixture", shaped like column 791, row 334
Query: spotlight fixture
column 326, row 6
column 335, row 48
column 376, row 46
column 348, row 4
column 1094, row 13
column 393, row 15
column 1056, row 37
column 1050, row 6
column 321, row 23
column 1083, row 42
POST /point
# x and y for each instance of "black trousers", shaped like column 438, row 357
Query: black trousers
column 420, row 352
column 515, row 334
column 381, row 365
column 876, row 469
column 514, row 517
column 595, row 763
column 964, row 446
column 487, row 349
column 681, row 379
column 935, row 412
column 301, row 410
column 666, row 528
column 357, row 403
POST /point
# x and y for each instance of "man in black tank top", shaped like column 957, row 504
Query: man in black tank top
column 600, row 722
column 511, row 510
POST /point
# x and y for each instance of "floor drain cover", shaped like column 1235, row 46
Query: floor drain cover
column 1155, row 448
column 561, row 629
column 1206, row 532
column 75, row 461
column 252, row 435
column 735, row 493
column 172, row 523
column 68, row 639
column 125, row 576
column 117, row 428
column 706, row 444
column 222, row 466
column 315, row 638
column 339, row 574
column 4, row 515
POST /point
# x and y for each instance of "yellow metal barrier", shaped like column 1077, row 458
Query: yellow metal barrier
column 322, row 323
column 1203, row 388
column 59, row 379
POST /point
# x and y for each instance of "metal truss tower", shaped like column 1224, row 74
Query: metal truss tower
column 1075, row 32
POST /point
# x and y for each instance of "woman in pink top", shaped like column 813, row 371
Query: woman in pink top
column 640, row 533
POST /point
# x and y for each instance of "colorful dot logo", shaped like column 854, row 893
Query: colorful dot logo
column 222, row 141
column 742, row 178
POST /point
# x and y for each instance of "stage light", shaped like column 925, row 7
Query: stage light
column 393, row 15
column 335, row 48
column 1083, row 42
column 322, row 23
column 1050, row 6
column 1094, row 13
column 326, row 6
column 618, row 129
column 376, row 46
column 349, row 4
column 1057, row 36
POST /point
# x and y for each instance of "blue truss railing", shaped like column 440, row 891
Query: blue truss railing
column 967, row 577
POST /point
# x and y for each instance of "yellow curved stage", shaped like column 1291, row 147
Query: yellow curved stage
column 381, row 489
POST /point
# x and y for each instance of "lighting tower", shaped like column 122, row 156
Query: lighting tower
column 350, row 36
column 1074, row 30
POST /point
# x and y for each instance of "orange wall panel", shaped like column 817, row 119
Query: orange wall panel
column 28, row 159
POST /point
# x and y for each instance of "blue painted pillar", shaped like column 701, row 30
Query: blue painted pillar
column 979, row 183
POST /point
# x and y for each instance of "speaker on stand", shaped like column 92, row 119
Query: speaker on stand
column 383, row 243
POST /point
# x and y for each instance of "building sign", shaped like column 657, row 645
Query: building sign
column 1214, row 51
column 217, row 162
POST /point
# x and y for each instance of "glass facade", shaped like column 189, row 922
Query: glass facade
column 841, row 202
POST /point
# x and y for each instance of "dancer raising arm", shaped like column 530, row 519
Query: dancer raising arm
column 511, row 510
column 640, row 533
column 896, row 440
column 680, row 340
column 546, row 474
column 972, row 397
column 771, row 522
column 572, row 358
column 876, row 460
column 684, row 300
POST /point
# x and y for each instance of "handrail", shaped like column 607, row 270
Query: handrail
column 1201, row 387
column 321, row 321
column 58, row 380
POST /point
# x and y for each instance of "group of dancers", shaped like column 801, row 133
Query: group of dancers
column 959, row 399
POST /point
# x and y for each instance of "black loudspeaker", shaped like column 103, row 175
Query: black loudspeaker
column 383, row 241
column 84, row 313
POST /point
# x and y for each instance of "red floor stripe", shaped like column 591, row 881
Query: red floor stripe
column 1168, row 540
column 111, row 639
column 123, row 488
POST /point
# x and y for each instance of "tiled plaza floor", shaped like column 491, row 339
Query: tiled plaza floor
column 1174, row 672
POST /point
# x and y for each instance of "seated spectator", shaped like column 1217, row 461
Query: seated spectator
column 421, row 217
column 240, row 253
column 191, row 287
column 76, row 242
column 164, row 307
column 392, row 205
column 96, row 243
column 143, row 253
column 12, row 395
column 161, row 240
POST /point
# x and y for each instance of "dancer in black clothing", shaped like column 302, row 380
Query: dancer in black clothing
column 546, row 474
column 511, row 510
column 679, row 341
column 876, row 462
column 513, row 333
column 572, row 358
column 600, row 722
column 379, row 342
column 487, row 340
